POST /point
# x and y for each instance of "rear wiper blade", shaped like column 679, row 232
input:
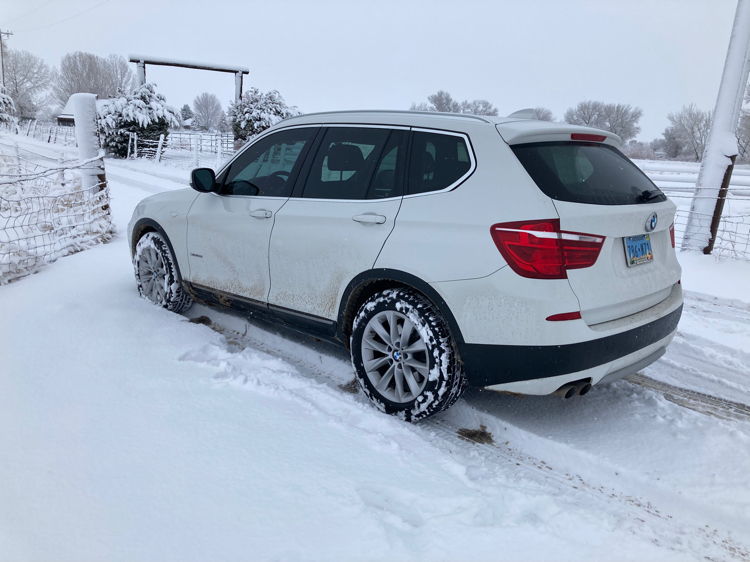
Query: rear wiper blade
column 648, row 195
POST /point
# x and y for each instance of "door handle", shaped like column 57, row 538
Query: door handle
column 369, row 218
column 261, row 214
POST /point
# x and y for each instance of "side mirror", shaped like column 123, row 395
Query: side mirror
column 203, row 180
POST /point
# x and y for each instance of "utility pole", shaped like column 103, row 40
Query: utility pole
column 721, row 145
column 2, row 56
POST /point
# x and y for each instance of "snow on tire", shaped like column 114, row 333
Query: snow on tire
column 156, row 274
column 404, row 355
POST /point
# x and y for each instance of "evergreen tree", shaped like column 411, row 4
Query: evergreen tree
column 186, row 113
column 255, row 112
column 143, row 112
column 7, row 108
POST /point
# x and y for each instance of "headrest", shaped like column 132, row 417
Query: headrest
column 428, row 163
column 345, row 158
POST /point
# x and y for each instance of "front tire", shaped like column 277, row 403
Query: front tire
column 404, row 355
column 156, row 274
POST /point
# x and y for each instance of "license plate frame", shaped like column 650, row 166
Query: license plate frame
column 638, row 250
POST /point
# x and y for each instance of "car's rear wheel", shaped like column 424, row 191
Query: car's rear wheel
column 404, row 355
column 156, row 274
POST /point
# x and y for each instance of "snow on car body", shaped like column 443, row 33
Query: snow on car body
column 525, row 256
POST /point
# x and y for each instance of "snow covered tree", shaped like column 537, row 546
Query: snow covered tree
column 186, row 113
column 7, row 108
column 85, row 72
column 207, row 112
column 255, row 112
column 743, row 130
column 26, row 80
column 618, row 118
column 544, row 114
column 143, row 112
column 223, row 125
column 691, row 126
column 443, row 102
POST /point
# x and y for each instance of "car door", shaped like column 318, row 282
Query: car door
column 338, row 219
column 229, row 231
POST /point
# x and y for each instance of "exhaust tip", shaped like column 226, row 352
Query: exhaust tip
column 566, row 391
column 584, row 389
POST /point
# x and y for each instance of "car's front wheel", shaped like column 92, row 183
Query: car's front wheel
column 404, row 355
column 156, row 274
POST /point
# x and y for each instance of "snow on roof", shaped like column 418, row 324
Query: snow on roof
column 67, row 112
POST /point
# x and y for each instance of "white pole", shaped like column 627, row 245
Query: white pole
column 238, row 85
column 195, row 152
column 219, row 155
column 87, row 135
column 721, row 144
column 141, row 73
column 135, row 145
column 158, row 148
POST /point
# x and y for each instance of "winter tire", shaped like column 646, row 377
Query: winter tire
column 156, row 274
column 404, row 355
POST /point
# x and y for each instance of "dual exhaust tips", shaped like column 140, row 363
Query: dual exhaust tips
column 574, row 388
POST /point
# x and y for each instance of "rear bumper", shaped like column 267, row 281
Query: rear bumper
column 490, row 365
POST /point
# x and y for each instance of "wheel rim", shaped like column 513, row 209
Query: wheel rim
column 395, row 356
column 152, row 273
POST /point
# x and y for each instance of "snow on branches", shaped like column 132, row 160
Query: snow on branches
column 143, row 112
column 255, row 112
column 7, row 107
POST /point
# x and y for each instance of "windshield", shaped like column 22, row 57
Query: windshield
column 586, row 172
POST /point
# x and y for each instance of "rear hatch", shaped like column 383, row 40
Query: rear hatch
column 598, row 191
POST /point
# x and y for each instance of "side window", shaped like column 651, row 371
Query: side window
column 388, row 177
column 268, row 166
column 437, row 161
column 345, row 162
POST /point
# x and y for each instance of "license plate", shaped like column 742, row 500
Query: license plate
column 638, row 250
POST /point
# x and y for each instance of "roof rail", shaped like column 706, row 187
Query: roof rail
column 398, row 111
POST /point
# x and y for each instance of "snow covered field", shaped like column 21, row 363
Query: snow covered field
column 131, row 433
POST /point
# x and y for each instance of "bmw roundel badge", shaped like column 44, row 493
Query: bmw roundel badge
column 651, row 222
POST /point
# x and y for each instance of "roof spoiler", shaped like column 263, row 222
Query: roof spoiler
column 529, row 113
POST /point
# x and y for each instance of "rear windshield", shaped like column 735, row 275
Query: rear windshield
column 585, row 172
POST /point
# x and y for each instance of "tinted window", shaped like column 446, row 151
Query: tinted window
column 389, row 176
column 344, row 163
column 592, row 173
column 268, row 166
column 437, row 161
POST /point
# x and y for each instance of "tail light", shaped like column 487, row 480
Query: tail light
column 671, row 233
column 540, row 250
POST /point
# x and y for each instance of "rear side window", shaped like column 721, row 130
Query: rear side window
column 582, row 172
column 345, row 162
column 437, row 161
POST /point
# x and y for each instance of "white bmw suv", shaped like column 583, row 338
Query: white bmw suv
column 441, row 249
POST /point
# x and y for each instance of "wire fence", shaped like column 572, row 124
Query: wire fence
column 45, row 213
column 733, row 233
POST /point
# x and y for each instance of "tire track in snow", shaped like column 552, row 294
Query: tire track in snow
column 527, row 471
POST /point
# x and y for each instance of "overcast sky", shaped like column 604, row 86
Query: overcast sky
column 327, row 55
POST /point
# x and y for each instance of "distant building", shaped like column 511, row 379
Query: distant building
column 65, row 119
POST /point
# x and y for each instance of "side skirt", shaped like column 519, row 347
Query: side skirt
column 310, row 325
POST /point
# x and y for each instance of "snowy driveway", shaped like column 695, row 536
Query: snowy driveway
column 129, row 433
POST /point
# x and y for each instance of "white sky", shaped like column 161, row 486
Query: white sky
column 328, row 55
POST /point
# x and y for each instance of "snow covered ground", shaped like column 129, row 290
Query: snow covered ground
column 129, row 432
